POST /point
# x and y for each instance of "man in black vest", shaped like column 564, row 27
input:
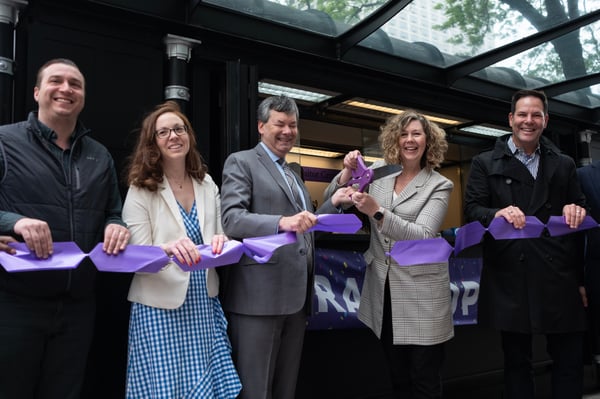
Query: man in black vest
column 56, row 184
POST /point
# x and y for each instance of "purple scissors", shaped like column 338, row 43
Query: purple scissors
column 362, row 176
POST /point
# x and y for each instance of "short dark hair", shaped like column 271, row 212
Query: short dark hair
column 529, row 93
column 40, row 72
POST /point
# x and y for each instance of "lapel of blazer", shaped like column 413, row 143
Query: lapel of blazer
column 411, row 188
column 270, row 166
column 200, row 198
column 547, row 169
column 167, row 195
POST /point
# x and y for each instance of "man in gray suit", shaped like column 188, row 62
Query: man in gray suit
column 267, row 304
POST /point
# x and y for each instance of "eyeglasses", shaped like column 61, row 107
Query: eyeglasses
column 166, row 132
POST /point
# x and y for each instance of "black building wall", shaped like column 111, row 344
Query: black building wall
column 123, row 59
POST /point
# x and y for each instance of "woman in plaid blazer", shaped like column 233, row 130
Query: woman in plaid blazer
column 407, row 307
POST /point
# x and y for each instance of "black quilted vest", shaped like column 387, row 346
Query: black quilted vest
column 72, row 199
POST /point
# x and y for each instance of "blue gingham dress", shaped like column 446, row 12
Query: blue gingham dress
column 185, row 352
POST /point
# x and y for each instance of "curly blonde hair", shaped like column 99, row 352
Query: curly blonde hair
column 435, row 139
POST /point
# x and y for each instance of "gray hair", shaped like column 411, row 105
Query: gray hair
column 278, row 103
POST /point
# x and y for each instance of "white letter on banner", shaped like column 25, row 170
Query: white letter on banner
column 470, row 296
column 325, row 293
column 454, row 293
column 351, row 295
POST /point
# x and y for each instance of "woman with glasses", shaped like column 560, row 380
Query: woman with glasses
column 178, row 344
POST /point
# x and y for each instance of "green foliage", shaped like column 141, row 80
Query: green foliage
column 476, row 20
column 349, row 12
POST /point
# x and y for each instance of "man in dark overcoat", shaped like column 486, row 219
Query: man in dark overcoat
column 531, row 285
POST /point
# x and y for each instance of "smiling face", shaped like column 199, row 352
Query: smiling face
column 413, row 142
column 60, row 93
column 279, row 132
column 173, row 147
column 528, row 122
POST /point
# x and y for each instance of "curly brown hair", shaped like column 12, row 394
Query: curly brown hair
column 145, row 168
column 389, row 139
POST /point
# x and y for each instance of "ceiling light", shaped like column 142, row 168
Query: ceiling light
column 484, row 130
column 371, row 160
column 397, row 111
column 329, row 154
column 295, row 93
column 374, row 107
column 316, row 153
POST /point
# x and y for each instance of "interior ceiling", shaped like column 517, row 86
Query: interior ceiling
column 309, row 48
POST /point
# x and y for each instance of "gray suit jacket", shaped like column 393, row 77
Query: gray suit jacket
column 254, row 196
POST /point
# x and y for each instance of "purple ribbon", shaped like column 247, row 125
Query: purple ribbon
column 135, row 258
column 262, row 248
column 502, row 230
column 142, row 258
column 66, row 255
column 471, row 233
column 337, row 223
column 416, row 252
column 468, row 235
column 232, row 252
column 558, row 227
column 150, row 259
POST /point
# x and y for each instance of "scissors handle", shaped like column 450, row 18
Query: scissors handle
column 361, row 176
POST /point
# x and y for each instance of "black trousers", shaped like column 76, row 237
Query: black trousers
column 566, row 352
column 415, row 370
column 44, row 345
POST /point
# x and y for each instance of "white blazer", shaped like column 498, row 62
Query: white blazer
column 153, row 218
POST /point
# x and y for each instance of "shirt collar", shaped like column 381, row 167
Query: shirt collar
column 514, row 149
column 273, row 157
column 50, row 135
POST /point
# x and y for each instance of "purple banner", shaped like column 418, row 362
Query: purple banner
column 339, row 277
column 464, row 283
column 338, row 281
column 319, row 174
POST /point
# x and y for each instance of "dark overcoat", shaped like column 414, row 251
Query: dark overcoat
column 528, row 285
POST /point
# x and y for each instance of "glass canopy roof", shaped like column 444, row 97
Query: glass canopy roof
column 551, row 45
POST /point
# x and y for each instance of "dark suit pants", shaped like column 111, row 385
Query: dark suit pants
column 566, row 352
column 44, row 345
column 415, row 370
column 266, row 353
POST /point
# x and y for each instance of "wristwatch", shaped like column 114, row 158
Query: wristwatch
column 378, row 215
